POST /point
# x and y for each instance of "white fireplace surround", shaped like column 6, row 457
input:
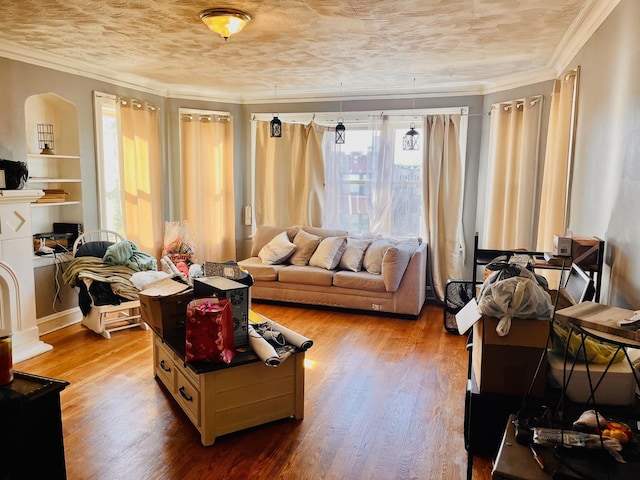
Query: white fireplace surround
column 17, row 286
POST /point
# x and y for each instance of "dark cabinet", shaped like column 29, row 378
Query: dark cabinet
column 31, row 428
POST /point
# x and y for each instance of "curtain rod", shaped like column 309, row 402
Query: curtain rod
column 367, row 115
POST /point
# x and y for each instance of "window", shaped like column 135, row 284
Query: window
column 129, row 170
column 361, row 189
column 108, row 163
column 371, row 184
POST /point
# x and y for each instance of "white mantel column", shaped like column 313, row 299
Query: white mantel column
column 17, row 286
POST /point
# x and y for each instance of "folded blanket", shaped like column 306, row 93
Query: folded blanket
column 126, row 253
column 90, row 269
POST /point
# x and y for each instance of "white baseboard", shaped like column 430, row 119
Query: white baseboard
column 59, row 320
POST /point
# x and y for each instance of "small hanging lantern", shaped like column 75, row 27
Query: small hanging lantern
column 340, row 131
column 340, row 128
column 411, row 139
column 275, row 127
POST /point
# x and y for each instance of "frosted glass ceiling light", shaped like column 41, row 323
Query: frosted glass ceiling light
column 225, row 21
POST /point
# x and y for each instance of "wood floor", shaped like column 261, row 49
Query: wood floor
column 384, row 399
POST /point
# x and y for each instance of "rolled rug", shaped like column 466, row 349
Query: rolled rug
column 292, row 337
column 263, row 349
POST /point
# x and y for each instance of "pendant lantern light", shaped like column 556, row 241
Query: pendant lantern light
column 411, row 139
column 275, row 127
column 340, row 128
column 340, row 131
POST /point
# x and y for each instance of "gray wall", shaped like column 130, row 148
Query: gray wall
column 18, row 81
column 605, row 198
column 605, row 195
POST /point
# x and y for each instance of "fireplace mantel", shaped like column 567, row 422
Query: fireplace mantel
column 17, row 286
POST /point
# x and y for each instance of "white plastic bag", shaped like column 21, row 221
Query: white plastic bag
column 519, row 296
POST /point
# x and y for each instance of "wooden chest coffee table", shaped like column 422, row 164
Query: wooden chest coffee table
column 220, row 398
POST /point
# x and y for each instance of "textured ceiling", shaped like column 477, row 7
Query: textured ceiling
column 297, row 49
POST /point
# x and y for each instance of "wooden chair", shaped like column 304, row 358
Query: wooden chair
column 104, row 319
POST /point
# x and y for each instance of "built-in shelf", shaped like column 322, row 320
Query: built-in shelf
column 60, row 170
column 42, row 155
column 53, row 180
column 53, row 204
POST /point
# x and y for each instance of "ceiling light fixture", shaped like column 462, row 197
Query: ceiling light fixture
column 225, row 21
column 340, row 128
column 411, row 139
column 275, row 127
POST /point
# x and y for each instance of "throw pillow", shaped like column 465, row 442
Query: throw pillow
column 306, row 244
column 372, row 262
column 93, row 249
column 324, row 232
column 328, row 253
column 354, row 254
column 277, row 250
column 264, row 234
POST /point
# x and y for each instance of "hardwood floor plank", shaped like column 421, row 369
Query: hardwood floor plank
column 384, row 399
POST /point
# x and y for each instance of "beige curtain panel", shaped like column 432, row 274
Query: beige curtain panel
column 443, row 196
column 289, row 176
column 207, row 185
column 142, row 171
column 557, row 161
column 511, row 174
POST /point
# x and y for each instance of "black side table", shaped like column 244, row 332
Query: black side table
column 31, row 428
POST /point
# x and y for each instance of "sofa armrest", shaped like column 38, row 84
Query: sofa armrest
column 395, row 262
column 411, row 295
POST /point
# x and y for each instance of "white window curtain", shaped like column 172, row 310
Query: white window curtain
column 511, row 174
column 443, row 198
column 558, row 160
column 141, row 158
column 207, row 184
column 289, row 176
column 372, row 185
column 380, row 189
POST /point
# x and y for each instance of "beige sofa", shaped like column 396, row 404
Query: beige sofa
column 331, row 268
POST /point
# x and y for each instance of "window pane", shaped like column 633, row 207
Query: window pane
column 353, row 165
column 109, row 166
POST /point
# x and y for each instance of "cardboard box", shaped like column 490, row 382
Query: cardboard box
column 561, row 246
column 163, row 306
column 584, row 252
column 616, row 387
column 507, row 365
column 238, row 293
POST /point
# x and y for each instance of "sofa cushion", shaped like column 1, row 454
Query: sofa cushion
column 395, row 261
column 354, row 254
column 277, row 250
column 260, row 271
column 306, row 244
column 359, row 280
column 306, row 275
column 372, row 262
column 328, row 253
column 265, row 234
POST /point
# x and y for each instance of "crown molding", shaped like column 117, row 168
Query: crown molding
column 592, row 15
column 517, row 81
column 32, row 57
